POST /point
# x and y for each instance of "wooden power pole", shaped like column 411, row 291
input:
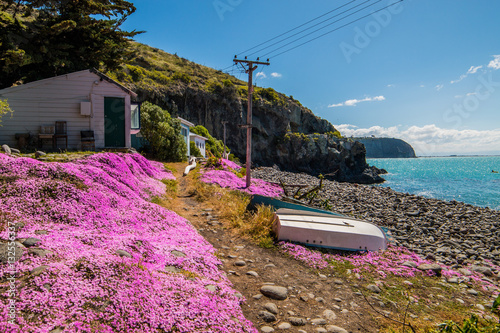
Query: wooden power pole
column 250, row 68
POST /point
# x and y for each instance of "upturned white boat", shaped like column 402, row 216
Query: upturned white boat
column 326, row 230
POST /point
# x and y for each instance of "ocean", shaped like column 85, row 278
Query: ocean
column 466, row 179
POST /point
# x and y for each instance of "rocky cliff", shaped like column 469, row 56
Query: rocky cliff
column 208, row 97
column 386, row 148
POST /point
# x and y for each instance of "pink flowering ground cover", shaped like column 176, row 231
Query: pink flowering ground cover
column 84, row 212
column 227, row 178
column 382, row 263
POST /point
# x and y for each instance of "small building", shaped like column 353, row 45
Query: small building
column 64, row 109
column 199, row 142
column 185, row 125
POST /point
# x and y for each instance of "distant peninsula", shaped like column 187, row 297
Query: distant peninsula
column 386, row 147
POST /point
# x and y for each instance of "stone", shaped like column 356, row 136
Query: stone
column 297, row 321
column 410, row 264
column 42, row 253
column 269, row 266
column 253, row 273
column 178, row 254
column 329, row 315
column 6, row 253
column 274, row 292
column 374, row 288
column 482, row 269
column 436, row 268
column 15, row 151
column 267, row 316
column 123, row 253
column 6, row 149
column 240, row 263
column 39, row 154
column 38, row 270
column 266, row 329
column 31, row 241
column 57, row 330
column 320, row 330
column 172, row 269
column 318, row 321
column 257, row 297
column 338, row 281
column 41, row 232
column 464, row 272
column 271, row 307
column 211, row 288
column 304, row 298
column 335, row 329
column 284, row 326
column 472, row 292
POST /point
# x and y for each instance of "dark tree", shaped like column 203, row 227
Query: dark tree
column 41, row 39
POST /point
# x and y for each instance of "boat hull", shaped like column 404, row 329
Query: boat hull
column 326, row 230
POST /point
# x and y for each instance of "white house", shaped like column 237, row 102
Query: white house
column 81, row 101
column 199, row 141
column 185, row 125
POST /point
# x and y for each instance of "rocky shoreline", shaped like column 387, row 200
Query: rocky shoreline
column 451, row 233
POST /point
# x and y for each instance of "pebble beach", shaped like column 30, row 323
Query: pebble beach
column 450, row 232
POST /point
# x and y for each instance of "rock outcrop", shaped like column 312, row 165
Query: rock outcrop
column 208, row 97
column 387, row 148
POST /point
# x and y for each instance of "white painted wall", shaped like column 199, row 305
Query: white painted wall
column 58, row 99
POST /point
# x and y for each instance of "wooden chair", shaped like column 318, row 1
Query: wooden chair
column 46, row 133
column 87, row 140
column 61, row 133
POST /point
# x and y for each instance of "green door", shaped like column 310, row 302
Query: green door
column 114, row 122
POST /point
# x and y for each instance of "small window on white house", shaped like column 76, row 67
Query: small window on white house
column 184, row 132
column 135, row 116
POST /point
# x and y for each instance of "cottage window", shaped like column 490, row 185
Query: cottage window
column 135, row 116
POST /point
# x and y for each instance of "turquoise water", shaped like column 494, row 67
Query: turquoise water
column 465, row 179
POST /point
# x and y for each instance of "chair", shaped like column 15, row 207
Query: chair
column 46, row 133
column 61, row 133
column 87, row 140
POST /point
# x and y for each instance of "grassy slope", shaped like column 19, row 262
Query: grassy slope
column 152, row 69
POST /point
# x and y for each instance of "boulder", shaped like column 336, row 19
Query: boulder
column 274, row 292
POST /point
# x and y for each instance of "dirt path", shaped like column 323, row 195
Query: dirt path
column 319, row 303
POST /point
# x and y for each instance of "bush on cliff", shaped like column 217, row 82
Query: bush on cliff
column 212, row 145
column 163, row 133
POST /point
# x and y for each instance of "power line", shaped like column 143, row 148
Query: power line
column 315, row 25
column 297, row 39
column 292, row 48
column 314, row 19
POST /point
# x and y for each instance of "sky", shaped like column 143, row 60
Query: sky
column 425, row 71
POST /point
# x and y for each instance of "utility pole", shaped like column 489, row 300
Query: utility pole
column 224, row 124
column 251, row 67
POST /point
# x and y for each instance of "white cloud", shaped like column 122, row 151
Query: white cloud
column 422, row 86
column 354, row 102
column 431, row 140
column 261, row 75
column 390, row 86
column 472, row 70
column 495, row 63
column 276, row 75
column 439, row 87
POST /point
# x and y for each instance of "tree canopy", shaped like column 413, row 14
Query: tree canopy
column 40, row 39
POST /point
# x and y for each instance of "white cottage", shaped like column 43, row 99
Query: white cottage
column 67, row 108
column 199, row 142
column 185, row 132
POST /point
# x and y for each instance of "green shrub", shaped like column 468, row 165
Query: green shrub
column 163, row 133
column 182, row 77
column 4, row 109
column 194, row 150
column 212, row 145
